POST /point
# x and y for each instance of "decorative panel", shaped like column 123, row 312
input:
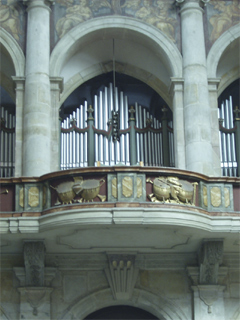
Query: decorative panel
column 216, row 197
column 126, row 187
column 29, row 197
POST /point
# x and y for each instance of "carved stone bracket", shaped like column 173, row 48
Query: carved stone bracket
column 210, row 256
column 34, row 253
column 49, row 274
column 206, row 277
column 121, row 275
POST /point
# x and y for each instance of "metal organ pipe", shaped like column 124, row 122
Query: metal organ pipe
column 7, row 143
column 108, row 152
column 85, row 134
column 126, row 136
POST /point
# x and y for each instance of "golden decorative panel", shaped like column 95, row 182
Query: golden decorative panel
column 139, row 187
column 172, row 190
column 216, row 196
column 127, row 187
column 21, row 197
column 33, row 197
column 226, row 197
column 205, row 197
column 114, row 188
column 87, row 190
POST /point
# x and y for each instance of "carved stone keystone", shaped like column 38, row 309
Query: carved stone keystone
column 121, row 275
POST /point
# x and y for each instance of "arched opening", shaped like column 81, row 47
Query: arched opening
column 7, row 115
column 121, row 312
column 129, row 124
column 229, row 129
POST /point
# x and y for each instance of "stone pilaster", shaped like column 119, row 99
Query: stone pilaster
column 176, row 91
column 56, row 90
column 37, row 108
column 196, row 100
column 213, row 100
column 20, row 87
column 207, row 290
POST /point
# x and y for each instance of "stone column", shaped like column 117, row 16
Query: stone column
column 196, row 102
column 37, row 108
column 176, row 91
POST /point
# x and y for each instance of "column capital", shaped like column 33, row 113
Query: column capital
column 19, row 82
column 213, row 84
column 201, row 3
column 176, row 85
column 38, row 3
column 56, row 84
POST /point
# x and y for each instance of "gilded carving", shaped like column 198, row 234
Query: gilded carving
column 33, row 197
column 215, row 196
column 226, row 197
column 139, row 187
column 114, row 188
column 21, row 197
column 127, row 187
column 87, row 190
column 172, row 190
column 205, row 196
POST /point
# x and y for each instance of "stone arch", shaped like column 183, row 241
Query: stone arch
column 158, row 306
column 217, row 50
column 14, row 51
column 166, row 50
column 154, row 82
column 3, row 315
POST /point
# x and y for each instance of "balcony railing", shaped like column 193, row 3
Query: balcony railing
column 109, row 187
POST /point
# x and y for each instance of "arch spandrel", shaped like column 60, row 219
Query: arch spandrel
column 163, row 48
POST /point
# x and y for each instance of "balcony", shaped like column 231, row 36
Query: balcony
column 119, row 194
